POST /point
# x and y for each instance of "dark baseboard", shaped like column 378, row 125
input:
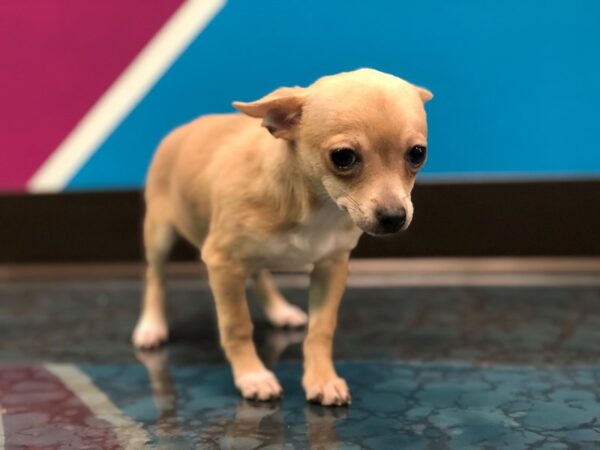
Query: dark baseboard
column 550, row 218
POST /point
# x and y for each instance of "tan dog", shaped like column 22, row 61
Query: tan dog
column 340, row 157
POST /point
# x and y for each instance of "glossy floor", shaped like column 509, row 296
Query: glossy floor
column 466, row 365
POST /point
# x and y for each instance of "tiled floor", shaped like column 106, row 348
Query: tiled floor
column 467, row 365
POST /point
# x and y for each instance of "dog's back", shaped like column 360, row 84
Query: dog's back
column 182, row 169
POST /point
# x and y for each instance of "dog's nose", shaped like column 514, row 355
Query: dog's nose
column 391, row 221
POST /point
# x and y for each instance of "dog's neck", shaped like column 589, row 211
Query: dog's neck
column 294, row 194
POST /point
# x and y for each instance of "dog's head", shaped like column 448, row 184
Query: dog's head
column 361, row 138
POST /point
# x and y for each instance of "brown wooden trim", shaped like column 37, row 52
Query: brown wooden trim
column 548, row 218
column 361, row 267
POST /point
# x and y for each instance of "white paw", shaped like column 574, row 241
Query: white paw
column 259, row 385
column 283, row 314
column 329, row 392
column 150, row 333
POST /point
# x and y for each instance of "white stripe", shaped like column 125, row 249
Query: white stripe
column 126, row 92
column 130, row 433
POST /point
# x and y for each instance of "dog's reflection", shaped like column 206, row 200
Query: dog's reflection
column 320, row 425
column 168, row 431
column 255, row 423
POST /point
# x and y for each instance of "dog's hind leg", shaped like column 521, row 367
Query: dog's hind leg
column 278, row 311
column 151, row 329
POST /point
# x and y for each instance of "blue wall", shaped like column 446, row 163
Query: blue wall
column 516, row 83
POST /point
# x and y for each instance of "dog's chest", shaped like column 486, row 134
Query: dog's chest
column 327, row 230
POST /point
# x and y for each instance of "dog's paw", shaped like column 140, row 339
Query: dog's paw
column 259, row 386
column 283, row 314
column 331, row 391
column 150, row 333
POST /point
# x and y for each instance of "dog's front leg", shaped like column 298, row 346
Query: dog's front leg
column 227, row 282
column 327, row 284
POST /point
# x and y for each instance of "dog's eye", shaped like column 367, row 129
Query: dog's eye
column 416, row 155
column 344, row 158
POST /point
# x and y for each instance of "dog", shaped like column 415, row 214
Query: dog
column 331, row 161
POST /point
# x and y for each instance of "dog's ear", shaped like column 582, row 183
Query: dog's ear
column 425, row 94
column 280, row 111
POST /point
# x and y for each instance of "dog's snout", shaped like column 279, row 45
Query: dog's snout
column 391, row 221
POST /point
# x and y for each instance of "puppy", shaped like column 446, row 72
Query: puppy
column 333, row 160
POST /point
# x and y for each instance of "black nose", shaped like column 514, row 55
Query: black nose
column 391, row 221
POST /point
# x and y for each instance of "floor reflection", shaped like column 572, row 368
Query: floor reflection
column 320, row 425
column 395, row 405
column 419, row 405
column 164, row 395
column 254, row 424
column 432, row 368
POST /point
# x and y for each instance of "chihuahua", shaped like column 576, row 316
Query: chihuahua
column 334, row 160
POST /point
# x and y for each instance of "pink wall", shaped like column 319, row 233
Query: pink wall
column 58, row 57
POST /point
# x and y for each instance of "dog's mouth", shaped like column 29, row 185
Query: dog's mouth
column 383, row 233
